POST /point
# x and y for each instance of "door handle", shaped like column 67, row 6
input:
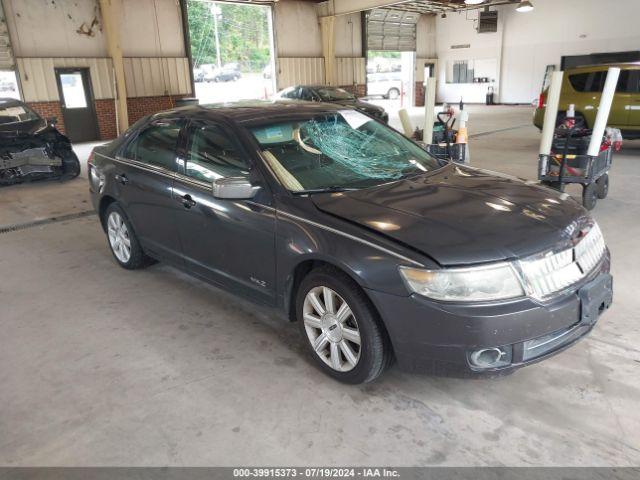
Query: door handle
column 122, row 178
column 187, row 201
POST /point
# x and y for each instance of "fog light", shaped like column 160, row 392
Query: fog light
column 490, row 357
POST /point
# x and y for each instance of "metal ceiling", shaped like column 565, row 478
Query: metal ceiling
column 432, row 7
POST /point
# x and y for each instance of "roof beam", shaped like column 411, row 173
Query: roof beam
column 344, row 7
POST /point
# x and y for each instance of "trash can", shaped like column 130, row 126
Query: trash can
column 183, row 102
column 490, row 96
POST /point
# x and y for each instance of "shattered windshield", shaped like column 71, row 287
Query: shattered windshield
column 339, row 151
column 16, row 113
column 334, row 94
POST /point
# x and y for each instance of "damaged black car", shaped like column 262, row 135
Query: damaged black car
column 31, row 148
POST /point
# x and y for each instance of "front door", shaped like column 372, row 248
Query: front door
column 228, row 242
column 78, row 107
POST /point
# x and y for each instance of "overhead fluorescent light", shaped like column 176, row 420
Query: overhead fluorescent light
column 524, row 6
column 474, row 2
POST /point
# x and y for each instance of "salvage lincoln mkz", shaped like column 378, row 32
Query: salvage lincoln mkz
column 375, row 248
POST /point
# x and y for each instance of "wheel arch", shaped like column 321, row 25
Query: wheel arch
column 105, row 201
column 301, row 270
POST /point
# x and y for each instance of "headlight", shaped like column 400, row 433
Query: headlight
column 492, row 282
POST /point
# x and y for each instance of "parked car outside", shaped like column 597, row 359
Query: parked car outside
column 31, row 148
column 339, row 96
column 385, row 85
column 583, row 86
column 198, row 74
column 377, row 249
column 228, row 72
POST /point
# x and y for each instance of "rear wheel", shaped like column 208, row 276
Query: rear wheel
column 123, row 242
column 603, row 186
column 341, row 328
column 590, row 195
column 393, row 94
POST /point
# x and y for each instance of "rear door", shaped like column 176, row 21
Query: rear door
column 145, row 173
column 228, row 242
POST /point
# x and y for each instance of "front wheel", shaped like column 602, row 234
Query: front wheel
column 393, row 94
column 340, row 327
column 70, row 165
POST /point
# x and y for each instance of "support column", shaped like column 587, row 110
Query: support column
column 327, row 25
column 111, row 14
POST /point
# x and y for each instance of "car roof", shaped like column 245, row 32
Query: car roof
column 253, row 111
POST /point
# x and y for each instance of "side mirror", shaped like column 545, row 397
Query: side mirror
column 234, row 188
column 52, row 120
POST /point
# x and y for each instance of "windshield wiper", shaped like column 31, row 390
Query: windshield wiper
column 329, row 189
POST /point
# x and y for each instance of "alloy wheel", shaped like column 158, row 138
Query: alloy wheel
column 332, row 329
column 119, row 237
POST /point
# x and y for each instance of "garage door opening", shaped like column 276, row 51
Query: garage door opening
column 390, row 78
column 232, row 50
column 391, row 47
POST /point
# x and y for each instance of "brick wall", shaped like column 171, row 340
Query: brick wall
column 141, row 106
column 359, row 90
column 419, row 94
column 48, row 110
column 106, row 113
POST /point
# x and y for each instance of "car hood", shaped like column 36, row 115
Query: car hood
column 461, row 215
column 20, row 129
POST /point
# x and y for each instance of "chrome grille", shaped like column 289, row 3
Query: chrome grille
column 552, row 272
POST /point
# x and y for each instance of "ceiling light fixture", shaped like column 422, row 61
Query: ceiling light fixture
column 474, row 2
column 524, row 6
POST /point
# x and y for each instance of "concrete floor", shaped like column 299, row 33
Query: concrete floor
column 103, row 366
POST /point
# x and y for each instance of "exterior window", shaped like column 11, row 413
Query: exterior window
column 212, row 155
column 156, row 145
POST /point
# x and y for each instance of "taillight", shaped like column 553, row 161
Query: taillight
column 542, row 99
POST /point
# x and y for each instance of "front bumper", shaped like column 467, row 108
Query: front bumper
column 438, row 338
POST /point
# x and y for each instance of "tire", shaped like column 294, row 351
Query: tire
column 393, row 94
column 590, row 195
column 70, row 165
column 115, row 220
column 603, row 186
column 340, row 355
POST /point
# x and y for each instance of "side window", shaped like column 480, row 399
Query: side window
column 156, row 145
column 212, row 155
column 292, row 92
column 588, row 82
column 634, row 81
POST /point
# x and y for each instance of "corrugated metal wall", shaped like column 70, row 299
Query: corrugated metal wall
column 6, row 54
column 150, row 77
column 300, row 71
column 38, row 79
column 310, row 71
column 350, row 71
column 145, row 77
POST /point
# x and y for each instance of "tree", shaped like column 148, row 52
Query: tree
column 243, row 32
